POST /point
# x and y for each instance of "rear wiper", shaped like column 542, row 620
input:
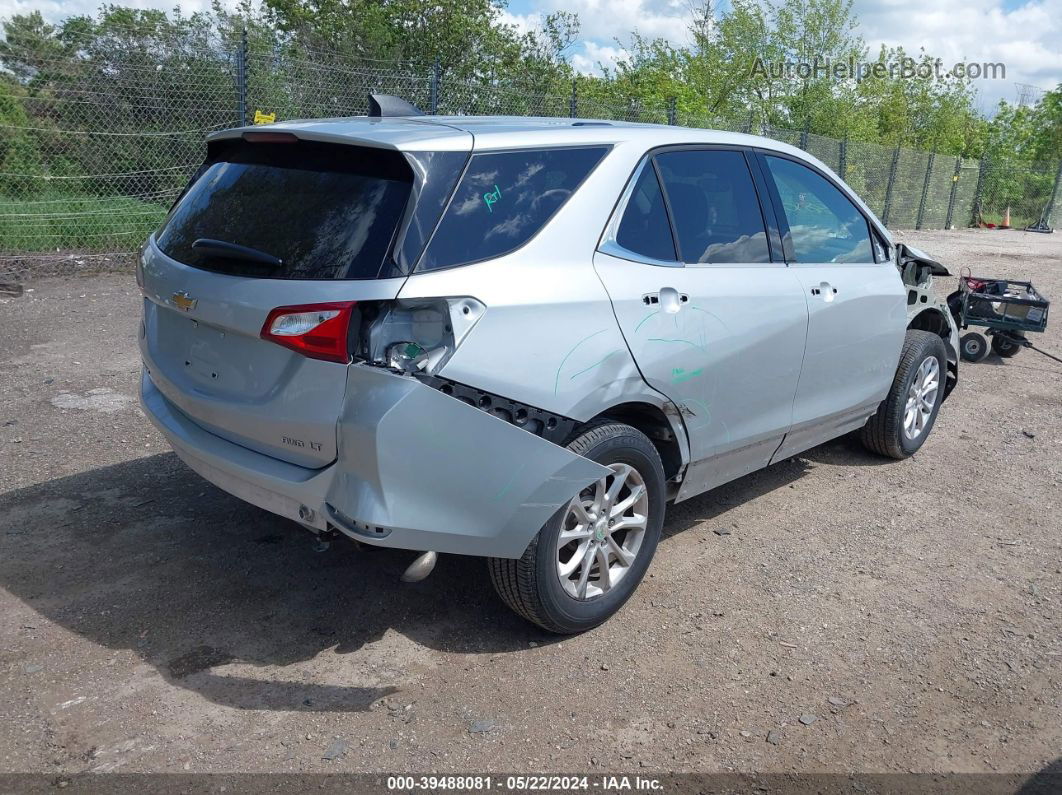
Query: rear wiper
column 223, row 248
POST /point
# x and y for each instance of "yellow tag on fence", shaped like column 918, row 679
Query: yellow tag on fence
column 264, row 118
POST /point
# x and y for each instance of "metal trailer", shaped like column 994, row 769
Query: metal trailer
column 1005, row 308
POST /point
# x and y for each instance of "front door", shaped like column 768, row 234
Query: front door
column 857, row 307
column 711, row 321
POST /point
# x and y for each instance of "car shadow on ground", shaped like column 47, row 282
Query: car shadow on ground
column 147, row 556
column 1046, row 781
column 710, row 505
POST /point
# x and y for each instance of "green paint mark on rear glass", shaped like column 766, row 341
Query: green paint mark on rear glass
column 491, row 197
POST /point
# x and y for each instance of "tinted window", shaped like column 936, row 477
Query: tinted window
column 437, row 174
column 824, row 224
column 503, row 199
column 714, row 206
column 644, row 228
column 327, row 212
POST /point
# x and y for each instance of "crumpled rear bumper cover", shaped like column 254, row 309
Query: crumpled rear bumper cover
column 416, row 469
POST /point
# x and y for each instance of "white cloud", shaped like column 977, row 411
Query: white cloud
column 1028, row 39
column 594, row 56
column 608, row 20
column 522, row 22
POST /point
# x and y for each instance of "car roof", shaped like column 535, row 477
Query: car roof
column 487, row 133
column 410, row 133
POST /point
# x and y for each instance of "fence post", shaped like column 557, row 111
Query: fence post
column 672, row 111
column 925, row 190
column 842, row 160
column 748, row 125
column 889, row 186
column 435, row 75
column 954, row 190
column 982, row 169
column 573, row 105
column 804, row 138
column 1054, row 196
column 241, row 80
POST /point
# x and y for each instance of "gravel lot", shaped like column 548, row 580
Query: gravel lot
column 910, row 612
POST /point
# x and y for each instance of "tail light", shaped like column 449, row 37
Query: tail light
column 318, row 331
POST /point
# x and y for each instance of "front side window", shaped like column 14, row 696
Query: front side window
column 824, row 224
column 714, row 206
column 503, row 200
column 644, row 228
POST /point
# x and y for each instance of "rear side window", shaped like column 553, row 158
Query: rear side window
column 325, row 211
column 644, row 228
column 824, row 224
column 714, row 206
column 503, row 200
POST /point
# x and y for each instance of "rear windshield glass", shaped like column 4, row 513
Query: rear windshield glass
column 504, row 198
column 325, row 211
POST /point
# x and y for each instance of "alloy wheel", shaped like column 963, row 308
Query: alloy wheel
column 921, row 398
column 602, row 533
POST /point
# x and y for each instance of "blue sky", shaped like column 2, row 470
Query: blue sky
column 1025, row 35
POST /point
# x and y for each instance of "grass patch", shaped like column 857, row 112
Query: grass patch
column 58, row 222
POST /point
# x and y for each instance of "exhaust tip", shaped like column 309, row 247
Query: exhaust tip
column 420, row 568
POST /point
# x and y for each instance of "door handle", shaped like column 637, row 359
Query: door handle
column 824, row 289
column 669, row 298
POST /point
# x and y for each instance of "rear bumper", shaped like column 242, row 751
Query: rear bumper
column 416, row 469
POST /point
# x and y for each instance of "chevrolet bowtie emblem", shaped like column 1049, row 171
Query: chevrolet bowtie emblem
column 183, row 301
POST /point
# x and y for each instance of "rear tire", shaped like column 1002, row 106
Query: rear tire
column 1004, row 347
column 905, row 418
column 973, row 347
column 535, row 586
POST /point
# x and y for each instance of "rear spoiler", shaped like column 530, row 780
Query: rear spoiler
column 907, row 255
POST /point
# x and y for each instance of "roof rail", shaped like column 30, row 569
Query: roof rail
column 382, row 105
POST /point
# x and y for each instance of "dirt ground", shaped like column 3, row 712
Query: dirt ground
column 910, row 613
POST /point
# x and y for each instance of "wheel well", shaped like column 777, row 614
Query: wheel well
column 651, row 421
column 933, row 321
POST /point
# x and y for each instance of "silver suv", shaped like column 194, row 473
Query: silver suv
column 520, row 338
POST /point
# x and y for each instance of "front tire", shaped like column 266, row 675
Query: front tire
column 905, row 418
column 587, row 560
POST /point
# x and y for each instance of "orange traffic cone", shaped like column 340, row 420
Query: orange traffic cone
column 1006, row 219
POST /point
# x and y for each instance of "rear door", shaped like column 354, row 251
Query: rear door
column 856, row 304
column 317, row 228
column 713, row 321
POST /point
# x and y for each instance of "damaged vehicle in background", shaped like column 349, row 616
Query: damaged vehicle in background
column 521, row 338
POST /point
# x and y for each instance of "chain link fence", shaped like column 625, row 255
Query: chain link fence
column 97, row 142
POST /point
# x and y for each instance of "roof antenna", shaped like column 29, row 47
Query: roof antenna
column 383, row 105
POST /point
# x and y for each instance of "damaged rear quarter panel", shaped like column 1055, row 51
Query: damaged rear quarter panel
column 435, row 473
column 548, row 337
